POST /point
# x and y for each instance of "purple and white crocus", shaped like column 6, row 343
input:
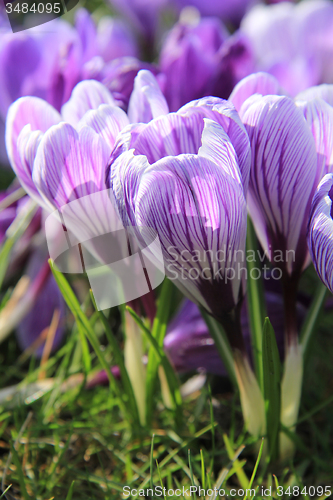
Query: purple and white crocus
column 292, row 144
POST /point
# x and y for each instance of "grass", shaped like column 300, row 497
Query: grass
column 74, row 442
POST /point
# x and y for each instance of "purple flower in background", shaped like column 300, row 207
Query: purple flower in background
column 45, row 298
column 320, row 235
column 227, row 10
column 293, row 42
column 144, row 15
column 49, row 63
column 190, row 347
column 199, row 59
column 195, row 163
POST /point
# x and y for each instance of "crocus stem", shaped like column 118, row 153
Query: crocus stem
column 291, row 386
column 291, row 389
column 252, row 401
column 133, row 353
column 290, row 285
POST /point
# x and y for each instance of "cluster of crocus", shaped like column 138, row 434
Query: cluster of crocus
column 179, row 160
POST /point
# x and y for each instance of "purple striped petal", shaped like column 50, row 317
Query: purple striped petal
column 200, row 211
column 86, row 30
column 31, row 114
column 217, row 147
column 87, row 95
column 257, row 83
column 70, row 164
column 321, row 230
column 282, row 178
column 147, row 101
column 224, row 113
column 324, row 92
column 319, row 116
column 107, row 121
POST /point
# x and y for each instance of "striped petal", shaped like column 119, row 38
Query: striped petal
column 87, row 95
column 224, row 113
column 257, row 83
column 282, row 179
column 35, row 116
column 147, row 101
column 320, row 235
column 200, row 211
column 70, row 164
column 324, row 92
column 107, row 121
column 319, row 116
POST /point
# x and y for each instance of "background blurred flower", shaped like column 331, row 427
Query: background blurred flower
column 227, row 10
column 198, row 58
column 293, row 42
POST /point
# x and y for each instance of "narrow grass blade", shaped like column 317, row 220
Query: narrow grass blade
column 70, row 491
column 152, row 462
column 272, row 387
column 160, row 478
column 309, row 325
column 191, row 473
column 242, row 478
column 203, row 471
column 20, row 474
column 158, row 333
column 222, row 345
column 255, row 468
column 256, row 302
column 119, row 359
column 163, row 360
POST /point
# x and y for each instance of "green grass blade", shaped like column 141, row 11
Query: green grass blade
column 163, row 360
column 255, row 467
column 152, row 462
column 222, row 344
column 193, row 483
column 20, row 474
column 256, row 302
column 309, row 325
column 70, row 491
column 158, row 333
column 272, row 387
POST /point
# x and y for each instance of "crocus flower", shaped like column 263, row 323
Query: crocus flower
column 199, row 59
column 181, row 153
column 291, row 151
column 321, row 231
column 293, row 42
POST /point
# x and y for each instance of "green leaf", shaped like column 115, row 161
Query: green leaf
column 14, row 233
column 84, row 324
column 256, row 303
column 163, row 360
column 272, row 387
column 70, row 491
column 310, row 322
column 222, row 344
column 255, row 467
column 158, row 333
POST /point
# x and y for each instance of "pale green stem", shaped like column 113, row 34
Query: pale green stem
column 291, row 389
column 133, row 352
